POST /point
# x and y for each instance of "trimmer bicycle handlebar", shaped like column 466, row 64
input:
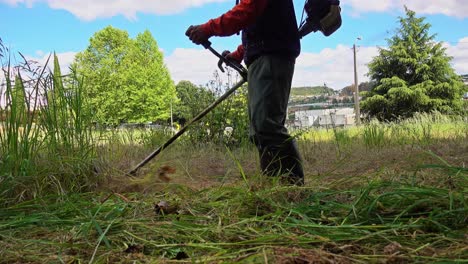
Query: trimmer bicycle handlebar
column 236, row 66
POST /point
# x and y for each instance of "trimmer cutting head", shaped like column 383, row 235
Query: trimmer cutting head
column 322, row 15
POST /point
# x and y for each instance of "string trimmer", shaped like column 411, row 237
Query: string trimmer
column 243, row 73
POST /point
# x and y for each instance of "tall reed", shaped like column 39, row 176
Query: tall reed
column 67, row 127
column 46, row 142
column 373, row 134
column 20, row 137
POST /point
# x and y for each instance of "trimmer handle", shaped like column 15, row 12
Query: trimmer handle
column 206, row 44
column 236, row 66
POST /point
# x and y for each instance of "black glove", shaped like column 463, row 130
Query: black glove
column 197, row 35
column 227, row 55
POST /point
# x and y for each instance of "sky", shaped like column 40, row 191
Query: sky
column 38, row 27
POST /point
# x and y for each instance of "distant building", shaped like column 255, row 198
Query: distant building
column 464, row 78
column 465, row 81
column 339, row 117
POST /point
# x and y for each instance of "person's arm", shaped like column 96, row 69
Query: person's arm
column 238, row 54
column 240, row 17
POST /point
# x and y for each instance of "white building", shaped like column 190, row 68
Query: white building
column 465, row 79
column 339, row 117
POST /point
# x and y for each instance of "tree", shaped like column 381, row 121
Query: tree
column 412, row 75
column 366, row 86
column 363, row 87
column 126, row 78
column 232, row 112
column 193, row 99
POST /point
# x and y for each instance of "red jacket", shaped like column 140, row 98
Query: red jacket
column 238, row 18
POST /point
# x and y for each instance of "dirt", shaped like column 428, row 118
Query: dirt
column 323, row 164
column 286, row 255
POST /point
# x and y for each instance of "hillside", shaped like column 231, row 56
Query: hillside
column 363, row 87
column 311, row 91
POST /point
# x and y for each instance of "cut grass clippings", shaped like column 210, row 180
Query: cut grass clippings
column 395, row 201
column 263, row 222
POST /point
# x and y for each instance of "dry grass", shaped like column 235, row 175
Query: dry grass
column 402, row 203
column 212, row 166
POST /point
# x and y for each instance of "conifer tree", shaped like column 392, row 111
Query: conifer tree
column 412, row 75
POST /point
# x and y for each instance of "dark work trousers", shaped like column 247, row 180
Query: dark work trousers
column 269, row 85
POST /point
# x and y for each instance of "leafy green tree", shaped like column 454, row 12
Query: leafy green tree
column 231, row 112
column 127, row 79
column 192, row 100
column 366, row 86
column 363, row 87
column 412, row 75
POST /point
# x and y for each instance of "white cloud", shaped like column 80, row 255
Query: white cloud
column 456, row 8
column 333, row 66
column 195, row 65
column 370, row 5
column 459, row 52
column 37, row 63
column 40, row 60
column 28, row 3
column 65, row 60
column 92, row 9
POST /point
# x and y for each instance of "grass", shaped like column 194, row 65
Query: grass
column 383, row 192
column 362, row 203
column 46, row 138
column 383, row 221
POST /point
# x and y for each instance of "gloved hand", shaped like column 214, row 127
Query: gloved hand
column 227, row 55
column 197, row 35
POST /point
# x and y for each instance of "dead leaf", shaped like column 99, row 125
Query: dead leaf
column 392, row 248
column 164, row 171
column 131, row 249
column 163, row 208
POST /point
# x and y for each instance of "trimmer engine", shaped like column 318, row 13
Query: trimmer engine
column 322, row 15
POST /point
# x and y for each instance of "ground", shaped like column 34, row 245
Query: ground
column 378, row 203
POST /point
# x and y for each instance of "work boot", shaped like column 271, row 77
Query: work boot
column 293, row 164
column 269, row 162
column 283, row 161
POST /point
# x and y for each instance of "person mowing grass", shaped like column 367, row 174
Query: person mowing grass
column 270, row 46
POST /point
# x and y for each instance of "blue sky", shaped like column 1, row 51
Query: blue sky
column 38, row 27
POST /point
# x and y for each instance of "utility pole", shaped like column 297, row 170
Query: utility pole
column 357, row 110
